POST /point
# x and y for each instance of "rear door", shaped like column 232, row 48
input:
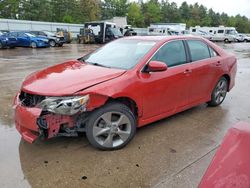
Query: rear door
column 204, row 65
column 23, row 39
column 167, row 91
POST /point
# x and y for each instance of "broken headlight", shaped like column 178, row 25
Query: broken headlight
column 65, row 105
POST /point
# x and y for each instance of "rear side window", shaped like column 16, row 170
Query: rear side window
column 220, row 31
column 12, row 34
column 198, row 50
column 172, row 53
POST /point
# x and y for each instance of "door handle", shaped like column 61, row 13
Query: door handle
column 187, row 71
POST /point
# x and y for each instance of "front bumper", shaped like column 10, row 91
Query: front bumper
column 26, row 122
column 31, row 123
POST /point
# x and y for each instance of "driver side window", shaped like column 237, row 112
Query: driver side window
column 172, row 53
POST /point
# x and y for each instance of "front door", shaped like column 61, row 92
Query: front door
column 166, row 92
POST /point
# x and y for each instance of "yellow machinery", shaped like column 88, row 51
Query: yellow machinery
column 86, row 36
column 66, row 34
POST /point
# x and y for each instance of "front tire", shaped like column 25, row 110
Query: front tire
column 226, row 41
column 219, row 93
column 52, row 43
column 111, row 127
column 33, row 45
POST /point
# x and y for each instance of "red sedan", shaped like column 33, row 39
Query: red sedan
column 123, row 85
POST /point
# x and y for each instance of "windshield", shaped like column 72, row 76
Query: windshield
column 121, row 54
column 30, row 35
column 231, row 32
column 116, row 32
column 1, row 33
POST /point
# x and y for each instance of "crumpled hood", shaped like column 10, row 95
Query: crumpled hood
column 68, row 78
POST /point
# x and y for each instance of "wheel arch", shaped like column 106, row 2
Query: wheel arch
column 228, row 80
column 128, row 102
column 98, row 100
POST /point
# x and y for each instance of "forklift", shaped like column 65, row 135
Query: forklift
column 86, row 36
column 64, row 33
column 103, row 31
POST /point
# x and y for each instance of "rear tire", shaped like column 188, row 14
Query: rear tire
column 111, row 127
column 1, row 45
column 219, row 92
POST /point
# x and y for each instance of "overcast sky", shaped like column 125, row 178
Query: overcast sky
column 231, row 7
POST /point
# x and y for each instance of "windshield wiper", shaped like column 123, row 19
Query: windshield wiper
column 92, row 63
column 98, row 64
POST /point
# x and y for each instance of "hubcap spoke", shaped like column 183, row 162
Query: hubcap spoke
column 218, row 98
column 123, row 135
column 222, row 85
column 107, row 118
column 122, row 120
column 108, row 142
column 97, row 131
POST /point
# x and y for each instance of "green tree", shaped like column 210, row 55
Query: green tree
column 135, row 17
column 152, row 12
column 111, row 8
column 185, row 12
column 9, row 9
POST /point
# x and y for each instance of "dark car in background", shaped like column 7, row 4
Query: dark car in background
column 26, row 39
column 54, row 40
column 6, row 41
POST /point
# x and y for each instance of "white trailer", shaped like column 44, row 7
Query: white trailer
column 221, row 33
column 166, row 28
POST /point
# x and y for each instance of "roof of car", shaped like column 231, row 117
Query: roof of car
column 161, row 38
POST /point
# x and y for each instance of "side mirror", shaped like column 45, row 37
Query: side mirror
column 156, row 66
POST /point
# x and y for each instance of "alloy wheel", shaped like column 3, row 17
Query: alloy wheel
column 220, row 91
column 112, row 129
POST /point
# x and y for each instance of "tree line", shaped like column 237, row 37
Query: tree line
column 138, row 14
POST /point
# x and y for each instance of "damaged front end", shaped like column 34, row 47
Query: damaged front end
column 47, row 117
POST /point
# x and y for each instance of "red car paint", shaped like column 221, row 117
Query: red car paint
column 230, row 166
column 156, row 95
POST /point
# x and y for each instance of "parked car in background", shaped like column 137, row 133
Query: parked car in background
column 25, row 39
column 125, row 84
column 7, row 41
column 244, row 37
column 54, row 40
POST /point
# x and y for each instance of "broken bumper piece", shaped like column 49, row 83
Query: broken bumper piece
column 26, row 122
column 31, row 123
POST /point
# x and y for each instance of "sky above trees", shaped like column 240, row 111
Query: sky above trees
column 138, row 14
column 231, row 7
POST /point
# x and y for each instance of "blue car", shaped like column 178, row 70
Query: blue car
column 6, row 41
column 25, row 39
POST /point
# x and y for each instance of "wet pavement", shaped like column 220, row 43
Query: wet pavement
column 173, row 152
